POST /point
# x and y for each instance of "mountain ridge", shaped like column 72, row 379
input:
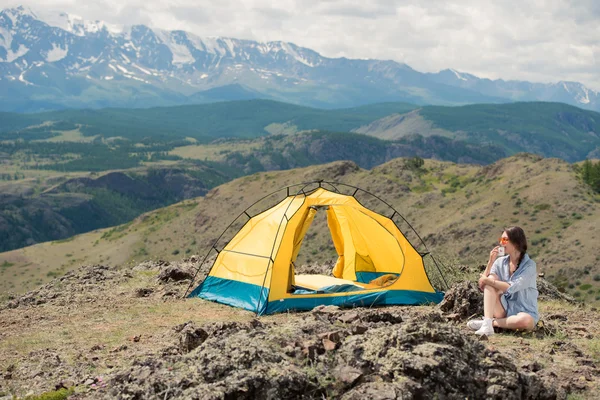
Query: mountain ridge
column 93, row 64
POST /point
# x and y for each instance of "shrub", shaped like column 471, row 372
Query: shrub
column 175, row 252
column 597, row 277
column 60, row 394
column 414, row 162
column 585, row 287
column 542, row 207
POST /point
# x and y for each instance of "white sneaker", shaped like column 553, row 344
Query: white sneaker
column 487, row 328
column 475, row 324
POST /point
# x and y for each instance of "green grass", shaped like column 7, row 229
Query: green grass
column 562, row 127
column 60, row 394
column 66, row 240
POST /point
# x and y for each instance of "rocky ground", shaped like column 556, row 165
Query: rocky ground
column 112, row 333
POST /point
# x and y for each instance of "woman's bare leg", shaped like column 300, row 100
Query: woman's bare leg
column 492, row 307
column 520, row 321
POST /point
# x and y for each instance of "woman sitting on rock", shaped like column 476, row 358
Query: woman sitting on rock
column 509, row 287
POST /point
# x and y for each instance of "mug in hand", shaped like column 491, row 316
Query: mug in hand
column 501, row 251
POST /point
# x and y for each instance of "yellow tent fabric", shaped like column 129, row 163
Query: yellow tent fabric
column 255, row 270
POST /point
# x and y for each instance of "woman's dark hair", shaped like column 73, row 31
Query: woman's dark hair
column 516, row 236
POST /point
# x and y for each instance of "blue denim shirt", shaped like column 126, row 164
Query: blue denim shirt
column 522, row 294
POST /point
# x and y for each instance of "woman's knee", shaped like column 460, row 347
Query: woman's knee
column 526, row 321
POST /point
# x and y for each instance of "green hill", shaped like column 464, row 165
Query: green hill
column 58, row 207
column 549, row 129
column 460, row 211
column 205, row 122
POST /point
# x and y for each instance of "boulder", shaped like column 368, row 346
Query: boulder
column 174, row 274
column 463, row 300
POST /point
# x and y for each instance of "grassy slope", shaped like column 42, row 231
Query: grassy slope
column 460, row 210
column 552, row 129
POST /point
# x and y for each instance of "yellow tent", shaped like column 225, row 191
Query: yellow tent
column 376, row 264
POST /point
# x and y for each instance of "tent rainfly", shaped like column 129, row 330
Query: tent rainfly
column 376, row 264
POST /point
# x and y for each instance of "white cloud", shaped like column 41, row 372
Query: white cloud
column 540, row 40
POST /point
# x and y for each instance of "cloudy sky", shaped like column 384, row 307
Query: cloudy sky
column 535, row 40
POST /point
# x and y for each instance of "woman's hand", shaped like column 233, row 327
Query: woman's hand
column 482, row 281
column 494, row 254
column 485, row 280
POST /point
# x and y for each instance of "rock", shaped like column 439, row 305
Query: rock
column 532, row 366
column 135, row 338
column 405, row 389
column 66, row 384
column 440, row 358
column 463, row 299
column 560, row 317
column 175, row 274
column 333, row 336
column 348, row 317
column 329, row 345
column 290, row 350
column 255, row 323
column 312, row 357
column 310, row 350
column 325, row 309
column 547, row 291
column 387, row 317
column 347, row 374
column 143, row 292
column 453, row 317
column 358, row 329
column 120, row 348
column 191, row 337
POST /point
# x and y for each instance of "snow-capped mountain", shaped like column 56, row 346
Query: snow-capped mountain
column 59, row 60
column 565, row 92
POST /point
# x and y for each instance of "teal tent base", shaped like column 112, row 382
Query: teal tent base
column 233, row 293
column 254, row 298
column 365, row 298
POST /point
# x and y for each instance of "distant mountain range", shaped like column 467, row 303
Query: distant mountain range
column 60, row 61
